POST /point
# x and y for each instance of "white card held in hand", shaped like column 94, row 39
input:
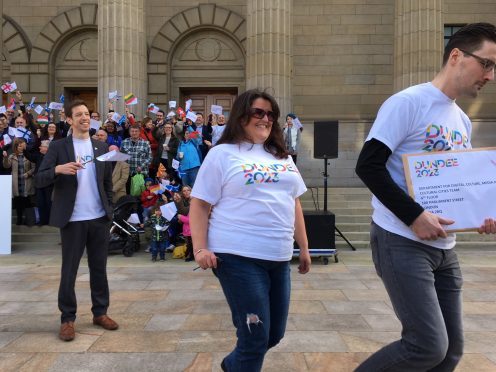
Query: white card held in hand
column 216, row 109
column 172, row 104
column 191, row 116
column 39, row 109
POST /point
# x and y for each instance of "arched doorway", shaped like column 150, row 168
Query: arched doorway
column 74, row 67
column 209, row 67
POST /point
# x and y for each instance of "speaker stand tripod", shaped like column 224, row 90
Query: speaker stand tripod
column 338, row 232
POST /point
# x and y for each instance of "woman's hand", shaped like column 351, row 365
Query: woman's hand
column 205, row 259
column 305, row 261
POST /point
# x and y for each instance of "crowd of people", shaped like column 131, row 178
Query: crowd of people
column 164, row 150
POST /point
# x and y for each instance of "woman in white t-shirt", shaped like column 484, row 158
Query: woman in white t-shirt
column 253, row 186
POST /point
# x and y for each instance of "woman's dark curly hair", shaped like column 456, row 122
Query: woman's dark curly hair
column 240, row 116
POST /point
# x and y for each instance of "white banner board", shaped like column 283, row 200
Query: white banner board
column 459, row 185
column 6, row 215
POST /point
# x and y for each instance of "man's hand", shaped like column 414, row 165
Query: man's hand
column 488, row 227
column 69, row 169
column 428, row 226
column 208, row 143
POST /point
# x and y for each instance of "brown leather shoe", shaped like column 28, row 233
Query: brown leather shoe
column 105, row 322
column 67, row 332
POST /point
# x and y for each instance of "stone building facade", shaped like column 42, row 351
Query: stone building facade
column 322, row 59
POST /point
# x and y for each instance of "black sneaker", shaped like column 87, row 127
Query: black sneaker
column 154, row 259
column 162, row 259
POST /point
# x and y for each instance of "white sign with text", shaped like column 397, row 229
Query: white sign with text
column 459, row 185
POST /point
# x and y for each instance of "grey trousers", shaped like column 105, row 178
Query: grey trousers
column 425, row 287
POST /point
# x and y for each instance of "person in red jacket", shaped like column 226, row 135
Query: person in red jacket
column 148, row 199
column 148, row 133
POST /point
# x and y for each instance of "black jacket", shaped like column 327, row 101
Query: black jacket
column 65, row 186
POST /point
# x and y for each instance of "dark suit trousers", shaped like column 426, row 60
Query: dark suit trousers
column 94, row 235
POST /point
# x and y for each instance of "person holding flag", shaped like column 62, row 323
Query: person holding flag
column 82, row 209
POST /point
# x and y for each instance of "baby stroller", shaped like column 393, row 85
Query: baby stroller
column 123, row 235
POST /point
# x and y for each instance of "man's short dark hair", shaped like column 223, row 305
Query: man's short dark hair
column 70, row 106
column 470, row 38
column 135, row 126
column 201, row 114
column 162, row 111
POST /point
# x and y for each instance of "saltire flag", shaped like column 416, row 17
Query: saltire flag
column 130, row 99
column 122, row 120
column 47, row 107
column 42, row 119
column 12, row 105
column 31, row 104
column 173, row 188
column 23, row 133
column 9, row 87
column 62, row 98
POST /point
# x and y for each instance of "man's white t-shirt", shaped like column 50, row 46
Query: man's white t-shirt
column 88, row 204
column 419, row 118
column 253, row 197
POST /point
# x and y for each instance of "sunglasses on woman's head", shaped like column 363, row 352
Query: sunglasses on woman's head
column 260, row 114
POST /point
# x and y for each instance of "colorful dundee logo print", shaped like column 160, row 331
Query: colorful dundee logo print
column 256, row 173
column 443, row 138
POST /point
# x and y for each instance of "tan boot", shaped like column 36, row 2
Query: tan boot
column 67, row 332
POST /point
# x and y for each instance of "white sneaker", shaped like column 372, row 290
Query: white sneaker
column 147, row 250
column 170, row 248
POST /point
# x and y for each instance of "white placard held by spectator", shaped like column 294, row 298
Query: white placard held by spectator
column 216, row 109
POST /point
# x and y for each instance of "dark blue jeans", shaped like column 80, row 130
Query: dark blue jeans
column 425, row 287
column 158, row 248
column 257, row 292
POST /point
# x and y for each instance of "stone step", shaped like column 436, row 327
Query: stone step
column 36, row 238
column 339, row 191
column 338, row 204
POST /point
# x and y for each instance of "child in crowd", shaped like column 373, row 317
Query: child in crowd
column 184, row 219
column 148, row 199
column 159, row 234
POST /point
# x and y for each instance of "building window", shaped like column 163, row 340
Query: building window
column 449, row 30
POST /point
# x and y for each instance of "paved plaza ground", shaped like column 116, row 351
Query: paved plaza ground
column 174, row 319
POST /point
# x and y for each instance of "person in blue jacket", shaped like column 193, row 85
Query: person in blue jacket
column 189, row 156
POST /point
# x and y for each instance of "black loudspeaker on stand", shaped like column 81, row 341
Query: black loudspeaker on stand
column 325, row 144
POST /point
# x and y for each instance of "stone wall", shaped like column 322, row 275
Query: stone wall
column 343, row 59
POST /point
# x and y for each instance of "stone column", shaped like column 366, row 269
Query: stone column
column 269, row 49
column 418, row 41
column 122, row 52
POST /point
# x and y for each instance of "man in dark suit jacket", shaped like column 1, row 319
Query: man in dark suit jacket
column 82, row 209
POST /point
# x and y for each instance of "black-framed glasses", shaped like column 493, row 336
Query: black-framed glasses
column 486, row 64
column 260, row 114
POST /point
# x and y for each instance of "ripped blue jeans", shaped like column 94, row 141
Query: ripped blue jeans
column 257, row 292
